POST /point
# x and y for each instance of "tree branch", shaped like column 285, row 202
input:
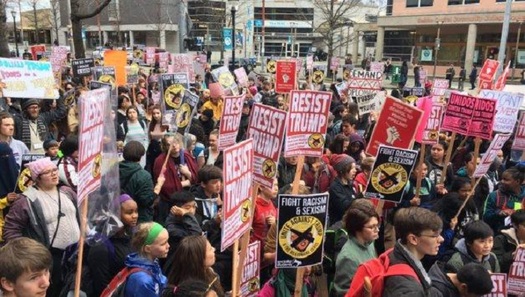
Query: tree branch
column 92, row 14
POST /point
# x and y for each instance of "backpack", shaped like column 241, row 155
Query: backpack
column 117, row 286
column 369, row 279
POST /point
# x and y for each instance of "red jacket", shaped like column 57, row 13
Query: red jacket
column 326, row 176
column 173, row 182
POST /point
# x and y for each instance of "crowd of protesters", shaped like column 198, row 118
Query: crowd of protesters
column 171, row 219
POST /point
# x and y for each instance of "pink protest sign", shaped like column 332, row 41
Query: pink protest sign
column 216, row 90
column 230, row 121
column 241, row 76
column 516, row 283
column 482, row 118
column 458, row 113
column 519, row 138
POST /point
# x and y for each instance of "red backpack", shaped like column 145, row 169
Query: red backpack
column 118, row 284
column 369, row 279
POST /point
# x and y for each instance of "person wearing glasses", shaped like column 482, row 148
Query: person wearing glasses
column 475, row 247
column 361, row 221
column 46, row 213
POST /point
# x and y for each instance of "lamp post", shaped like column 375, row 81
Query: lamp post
column 516, row 52
column 234, row 37
column 436, row 48
column 13, row 13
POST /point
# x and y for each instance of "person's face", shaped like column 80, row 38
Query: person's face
column 481, row 246
column 191, row 207
column 428, row 242
column 464, row 191
column 437, row 152
column 52, row 151
column 206, row 93
column 48, row 177
column 291, row 160
column 28, row 284
column 129, row 213
column 355, row 147
column 33, row 111
column 421, row 171
column 213, row 186
column 508, row 183
column 211, row 293
column 212, row 141
column 347, row 129
column 271, row 192
column 351, row 173
column 346, row 143
column 210, row 255
column 160, row 247
column 471, row 165
column 125, row 103
column 132, row 115
column 140, row 97
column 156, row 115
column 500, row 155
column 175, row 146
column 7, row 128
column 370, row 231
column 245, row 109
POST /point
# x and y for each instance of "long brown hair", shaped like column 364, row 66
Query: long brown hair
column 154, row 122
column 188, row 262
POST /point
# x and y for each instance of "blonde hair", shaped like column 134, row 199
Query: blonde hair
column 139, row 238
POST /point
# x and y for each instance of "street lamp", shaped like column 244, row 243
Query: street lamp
column 436, row 48
column 233, row 11
column 13, row 13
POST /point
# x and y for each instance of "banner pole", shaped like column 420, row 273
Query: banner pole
column 447, row 157
column 420, row 163
column 295, row 190
column 83, row 218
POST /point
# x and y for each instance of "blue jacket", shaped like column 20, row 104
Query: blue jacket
column 148, row 283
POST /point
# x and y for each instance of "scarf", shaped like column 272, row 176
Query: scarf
column 284, row 283
column 26, row 130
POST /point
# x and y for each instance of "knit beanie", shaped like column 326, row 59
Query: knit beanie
column 341, row 162
column 39, row 166
column 28, row 102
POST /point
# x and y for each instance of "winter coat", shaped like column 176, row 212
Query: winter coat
column 147, row 283
column 178, row 228
column 138, row 183
column 325, row 177
column 440, row 281
column 505, row 245
column 173, row 182
column 496, row 202
column 463, row 256
column 341, row 197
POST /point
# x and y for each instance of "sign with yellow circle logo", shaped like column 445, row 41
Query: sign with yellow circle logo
column 301, row 230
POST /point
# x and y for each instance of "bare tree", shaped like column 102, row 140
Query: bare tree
column 4, row 47
column 37, row 19
column 76, row 23
column 161, row 16
column 55, row 16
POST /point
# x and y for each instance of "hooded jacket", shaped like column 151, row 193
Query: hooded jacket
column 463, row 256
column 441, row 282
column 138, row 183
column 359, row 139
column 496, row 202
column 504, row 246
column 147, row 283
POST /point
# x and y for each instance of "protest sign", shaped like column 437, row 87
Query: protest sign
column 519, row 137
column 150, row 55
column 164, row 59
column 132, row 74
column 183, row 63
column 439, row 87
column 24, row 177
column 300, row 230
column 490, row 155
column 82, row 67
column 431, row 130
column 271, row 65
column 230, row 121
column 216, row 90
column 237, row 173
column 309, row 63
column 365, row 80
column 395, row 126
column 425, row 104
column 415, row 91
column 58, row 57
column 377, row 67
column 390, row 173
column 482, row 118
column 119, row 60
column 502, row 79
column 27, row 79
column 366, row 103
column 266, row 128
column 458, row 113
column 489, row 69
column 37, row 51
column 516, row 281
column 185, row 114
column 242, row 77
column 90, row 140
column 173, row 87
column 250, row 284
column 334, row 63
column 507, row 108
column 342, row 88
column 285, row 76
column 307, row 123
column 223, row 76
column 499, row 285
column 298, row 64
column 105, row 74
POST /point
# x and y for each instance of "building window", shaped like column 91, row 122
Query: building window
column 462, row 2
column 506, row 0
column 419, row 3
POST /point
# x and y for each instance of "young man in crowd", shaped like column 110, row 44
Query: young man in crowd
column 7, row 129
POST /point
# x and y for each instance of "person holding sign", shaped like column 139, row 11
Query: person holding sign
column 342, row 188
column 506, row 243
column 7, row 130
column 437, row 164
column 502, row 203
column 427, row 194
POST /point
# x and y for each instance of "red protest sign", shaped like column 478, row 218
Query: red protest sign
column 482, row 118
column 285, row 76
column 250, row 284
column 237, row 173
column 458, row 113
column 502, row 79
column 266, row 128
column 395, row 125
column 230, row 121
column 488, row 71
column 37, row 51
column 307, row 123
column 519, row 138
column 490, row 155
column 425, row 104
column 499, row 285
column 516, row 283
column 485, row 84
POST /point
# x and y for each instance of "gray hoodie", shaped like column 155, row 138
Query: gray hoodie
column 463, row 256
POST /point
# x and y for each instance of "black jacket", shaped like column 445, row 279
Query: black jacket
column 341, row 197
column 441, row 284
column 504, row 245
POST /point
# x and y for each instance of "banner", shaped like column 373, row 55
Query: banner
column 223, row 76
column 27, row 79
column 230, row 121
column 90, row 140
column 519, row 137
column 237, row 173
column 490, row 155
column 285, row 76
column 250, row 284
column 507, row 108
column 431, row 131
column 300, row 230
column 482, row 118
column 307, row 123
column 361, row 80
column 458, row 113
column 24, row 177
column 489, row 69
column 183, row 63
column 516, row 282
column 82, row 67
column 242, row 77
column 266, row 128
column 499, row 285
column 395, row 126
column 390, row 173
column 227, row 39
column 119, row 60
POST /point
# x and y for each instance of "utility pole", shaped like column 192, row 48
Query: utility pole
column 504, row 35
column 263, row 32
column 437, row 45
column 234, row 36
column 516, row 52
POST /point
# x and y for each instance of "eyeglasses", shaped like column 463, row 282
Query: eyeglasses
column 49, row 172
column 435, row 236
column 373, row 227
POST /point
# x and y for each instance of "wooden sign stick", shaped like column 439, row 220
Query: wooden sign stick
column 447, row 157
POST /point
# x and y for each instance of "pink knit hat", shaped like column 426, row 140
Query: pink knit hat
column 39, row 166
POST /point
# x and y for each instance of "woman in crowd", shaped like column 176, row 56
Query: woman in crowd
column 193, row 259
column 67, row 165
column 436, row 162
column 155, row 132
column 212, row 155
column 134, row 129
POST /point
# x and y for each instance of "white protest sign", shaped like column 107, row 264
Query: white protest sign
column 367, row 103
column 490, row 155
column 519, row 138
column 507, row 108
column 27, row 79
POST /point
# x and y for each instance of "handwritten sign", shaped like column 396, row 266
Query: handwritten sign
column 366, row 103
column 237, row 209
column 365, row 80
column 230, row 121
column 491, row 154
column 507, row 108
column 27, row 79
column 307, row 123
column 266, row 128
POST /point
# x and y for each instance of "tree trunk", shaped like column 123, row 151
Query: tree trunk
column 4, row 47
column 76, row 24
column 37, row 31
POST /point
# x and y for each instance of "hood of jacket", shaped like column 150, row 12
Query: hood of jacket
column 462, row 172
column 511, row 234
column 127, row 169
